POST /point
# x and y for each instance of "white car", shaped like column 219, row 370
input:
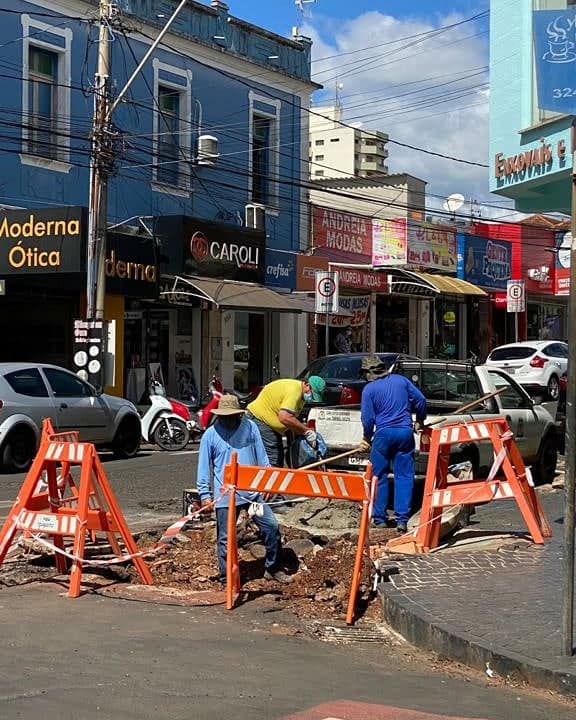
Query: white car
column 536, row 365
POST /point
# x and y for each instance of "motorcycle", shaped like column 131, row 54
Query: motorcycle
column 167, row 422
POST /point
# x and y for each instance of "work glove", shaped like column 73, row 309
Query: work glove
column 311, row 438
column 364, row 445
column 418, row 426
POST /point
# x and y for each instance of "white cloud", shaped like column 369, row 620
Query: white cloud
column 439, row 109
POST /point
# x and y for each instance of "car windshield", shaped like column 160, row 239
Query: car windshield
column 342, row 367
column 443, row 383
column 517, row 352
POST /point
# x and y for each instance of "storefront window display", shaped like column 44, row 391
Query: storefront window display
column 546, row 322
column 445, row 328
column 392, row 331
column 249, row 333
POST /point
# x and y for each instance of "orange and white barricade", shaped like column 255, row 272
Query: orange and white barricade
column 508, row 479
column 49, row 502
column 306, row 483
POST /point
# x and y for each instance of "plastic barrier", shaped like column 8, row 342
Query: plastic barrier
column 306, row 483
column 507, row 479
column 42, row 505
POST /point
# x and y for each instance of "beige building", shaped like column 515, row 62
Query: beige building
column 338, row 151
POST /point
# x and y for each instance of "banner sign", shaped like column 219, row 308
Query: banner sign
column 357, row 308
column 487, row 262
column 280, row 269
column 430, row 246
column 389, row 246
column 555, row 59
column 562, row 264
column 326, row 292
column 341, row 236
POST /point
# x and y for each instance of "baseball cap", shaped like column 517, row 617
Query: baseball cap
column 317, row 385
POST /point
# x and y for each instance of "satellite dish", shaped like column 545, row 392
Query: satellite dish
column 453, row 202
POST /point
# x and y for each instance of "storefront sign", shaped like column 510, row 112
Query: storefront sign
column 189, row 246
column 562, row 269
column 363, row 280
column 356, row 309
column 341, row 236
column 555, row 59
column 306, row 266
column 430, row 246
column 131, row 266
column 487, row 263
column 280, row 269
column 40, row 242
column 389, row 246
column 534, row 160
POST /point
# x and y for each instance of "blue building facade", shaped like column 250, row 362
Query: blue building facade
column 216, row 121
column 530, row 156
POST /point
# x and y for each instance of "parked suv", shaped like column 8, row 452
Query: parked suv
column 30, row 392
column 344, row 381
column 537, row 365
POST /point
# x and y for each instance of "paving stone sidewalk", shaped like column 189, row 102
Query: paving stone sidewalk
column 500, row 606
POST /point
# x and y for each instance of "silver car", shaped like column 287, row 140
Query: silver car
column 30, row 392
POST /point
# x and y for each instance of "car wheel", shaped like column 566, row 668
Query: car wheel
column 18, row 450
column 553, row 388
column 127, row 439
column 544, row 469
column 177, row 441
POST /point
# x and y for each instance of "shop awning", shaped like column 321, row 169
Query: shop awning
column 233, row 294
column 428, row 285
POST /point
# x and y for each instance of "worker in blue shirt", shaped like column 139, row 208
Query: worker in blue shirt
column 388, row 403
column 232, row 432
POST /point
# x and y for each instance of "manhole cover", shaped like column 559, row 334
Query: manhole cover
column 165, row 595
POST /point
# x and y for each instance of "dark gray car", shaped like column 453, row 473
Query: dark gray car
column 30, row 392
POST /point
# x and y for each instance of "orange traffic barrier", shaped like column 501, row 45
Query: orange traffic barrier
column 44, row 506
column 307, row 483
column 508, row 479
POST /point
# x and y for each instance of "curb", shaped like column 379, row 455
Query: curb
column 422, row 630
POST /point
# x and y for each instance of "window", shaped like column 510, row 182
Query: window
column 370, row 142
column 512, row 397
column 319, row 142
column 443, row 383
column 319, row 157
column 515, row 352
column 319, row 172
column 334, row 139
column 42, row 102
column 261, row 159
column 46, row 92
column 64, row 384
column 169, row 152
column 370, row 158
column 27, row 382
column 557, row 350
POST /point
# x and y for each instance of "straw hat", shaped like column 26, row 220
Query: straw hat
column 228, row 405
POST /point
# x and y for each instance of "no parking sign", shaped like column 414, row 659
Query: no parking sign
column 326, row 292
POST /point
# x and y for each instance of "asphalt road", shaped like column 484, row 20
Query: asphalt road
column 105, row 658
column 148, row 487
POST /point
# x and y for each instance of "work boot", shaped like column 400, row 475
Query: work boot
column 279, row 576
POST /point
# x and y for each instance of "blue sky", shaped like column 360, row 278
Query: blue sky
column 280, row 15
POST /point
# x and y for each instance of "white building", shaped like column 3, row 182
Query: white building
column 338, row 151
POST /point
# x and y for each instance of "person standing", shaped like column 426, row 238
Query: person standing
column 387, row 405
column 233, row 432
column 276, row 410
column 343, row 341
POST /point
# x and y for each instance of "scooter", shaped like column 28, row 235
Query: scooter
column 167, row 423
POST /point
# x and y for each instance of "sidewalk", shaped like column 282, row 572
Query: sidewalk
column 497, row 609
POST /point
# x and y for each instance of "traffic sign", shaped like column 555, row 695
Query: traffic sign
column 516, row 296
column 326, row 284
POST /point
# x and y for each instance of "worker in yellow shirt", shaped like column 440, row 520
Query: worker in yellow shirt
column 276, row 410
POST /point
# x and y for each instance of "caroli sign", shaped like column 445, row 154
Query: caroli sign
column 42, row 242
column 487, row 262
column 341, row 236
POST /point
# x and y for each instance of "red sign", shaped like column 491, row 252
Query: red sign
column 342, row 236
column 368, row 280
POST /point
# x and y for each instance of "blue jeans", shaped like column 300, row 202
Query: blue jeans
column 393, row 446
column 273, row 442
column 268, row 526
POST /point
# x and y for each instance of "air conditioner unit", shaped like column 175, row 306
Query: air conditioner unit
column 255, row 216
column 207, row 150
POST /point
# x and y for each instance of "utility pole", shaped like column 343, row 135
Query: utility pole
column 570, row 475
column 100, row 160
